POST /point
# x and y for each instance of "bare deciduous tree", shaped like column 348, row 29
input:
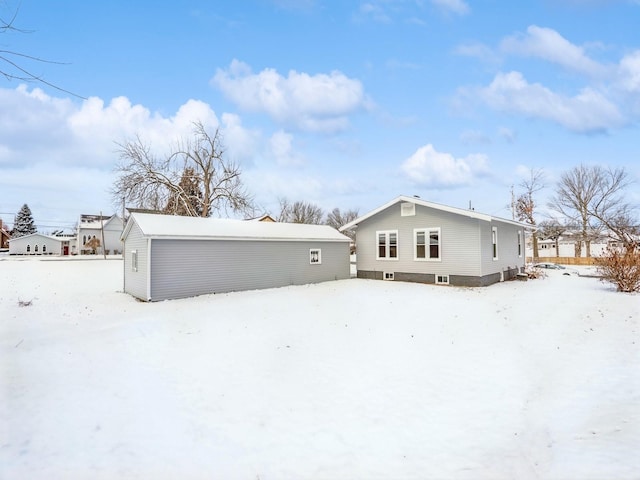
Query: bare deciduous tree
column 191, row 201
column 300, row 212
column 337, row 219
column 14, row 62
column 612, row 211
column 551, row 230
column 575, row 192
column 168, row 183
column 525, row 204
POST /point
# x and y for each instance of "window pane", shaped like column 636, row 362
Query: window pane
column 393, row 245
column 434, row 244
column 420, row 245
column 382, row 245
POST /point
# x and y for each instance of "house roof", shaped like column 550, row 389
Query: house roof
column 180, row 227
column 436, row 206
column 95, row 221
column 49, row 237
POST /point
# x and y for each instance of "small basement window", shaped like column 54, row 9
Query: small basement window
column 442, row 279
column 134, row 260
column 388, row 275
column 315, row 256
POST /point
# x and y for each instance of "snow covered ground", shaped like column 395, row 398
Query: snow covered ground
column 342, row 380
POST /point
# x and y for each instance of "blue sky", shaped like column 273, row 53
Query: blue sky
column 341, row 103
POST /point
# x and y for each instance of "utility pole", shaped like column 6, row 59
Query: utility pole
column 513, row 204
column 104, row 252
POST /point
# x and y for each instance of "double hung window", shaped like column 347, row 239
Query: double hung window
column 427, row 243
column 387, row 245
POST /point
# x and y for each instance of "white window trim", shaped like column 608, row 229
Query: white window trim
column 426, row 231
column 519, row 243
column 407, row 209
column 134, row 260
column 494, row 235
column 387, row 246
column 440, row 276
column 319, row 252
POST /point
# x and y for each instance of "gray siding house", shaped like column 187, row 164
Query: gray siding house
column 168, row 257
column 409, row 239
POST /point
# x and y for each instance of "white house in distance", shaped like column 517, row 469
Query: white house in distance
column 94, row 226
column 168, row 257
column 38, row 244
column 413, row 240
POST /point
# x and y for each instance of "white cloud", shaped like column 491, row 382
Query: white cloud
column 59, row 151
column 241, row 143
column 374, row 12
column 629, row 72
column 549, row 45
column 454, row 6
column 507, row 134
column 587, row 112
column 478, row 50
column 281, row 149
column 430, row 168
column 321, row 102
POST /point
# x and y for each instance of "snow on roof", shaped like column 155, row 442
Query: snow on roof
column 437, row 206
column 41, row 235
column 95, row 221
column 173, row 226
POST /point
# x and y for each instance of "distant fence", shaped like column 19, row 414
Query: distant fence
column 565, row 260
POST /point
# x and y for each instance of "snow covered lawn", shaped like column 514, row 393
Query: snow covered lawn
column 342, row 380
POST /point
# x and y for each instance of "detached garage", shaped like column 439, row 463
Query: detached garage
column 168, row 257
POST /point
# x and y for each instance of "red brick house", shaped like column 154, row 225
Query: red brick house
column 4, row 236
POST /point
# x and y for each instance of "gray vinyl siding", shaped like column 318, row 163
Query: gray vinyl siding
column 507, row 248
column 135, row 282
column 460, row 242
column 188, row 267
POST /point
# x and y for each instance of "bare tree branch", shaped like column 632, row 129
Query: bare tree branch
column 9, row 57
column 526, row 205
column 300, row 212
column 194, row 180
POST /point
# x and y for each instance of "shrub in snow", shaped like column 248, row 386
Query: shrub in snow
column 534, row 272
column 621, row 267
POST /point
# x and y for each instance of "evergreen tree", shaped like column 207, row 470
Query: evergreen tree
column 186, row 200
column 23, row 223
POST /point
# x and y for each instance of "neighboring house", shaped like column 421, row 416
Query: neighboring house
column 169, row 257
column 92, row 226
column 413, row 240
column 264, row 218
column 38, row 244
column 566, row 247
column 4, row 237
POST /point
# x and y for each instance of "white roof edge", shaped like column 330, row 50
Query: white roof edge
column 437, row 206
column 245, row 239
column 154, row 226
column 51, row 237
